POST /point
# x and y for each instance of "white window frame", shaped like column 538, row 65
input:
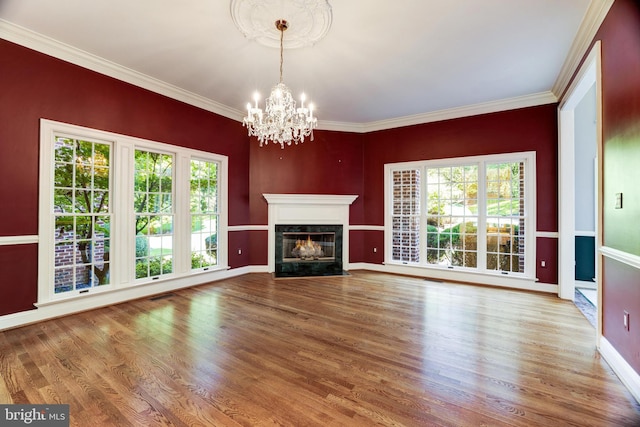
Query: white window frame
column 122, row 269
column 528, row 158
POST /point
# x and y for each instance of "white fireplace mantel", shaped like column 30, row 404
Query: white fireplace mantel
column 309, row 209
column 309, row 199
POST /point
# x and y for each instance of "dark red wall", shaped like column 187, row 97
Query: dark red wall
column 330, row 164
column 18, row 278
column 620, row 295
column 620, row 36
column 34, row 86
column 362, row 244
column 527, row 129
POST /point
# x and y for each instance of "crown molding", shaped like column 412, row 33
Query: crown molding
column 593, row 18
column 43, row 44
column 451, row 113
column 38, row 42
column 342, row 126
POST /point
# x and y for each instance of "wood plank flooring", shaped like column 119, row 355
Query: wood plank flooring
column 359, row 350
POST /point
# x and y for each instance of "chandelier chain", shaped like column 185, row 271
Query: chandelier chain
column 282, row 28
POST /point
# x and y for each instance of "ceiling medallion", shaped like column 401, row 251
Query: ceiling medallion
column 255, row 18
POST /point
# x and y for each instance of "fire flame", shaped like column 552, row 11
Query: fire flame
column 307, row 249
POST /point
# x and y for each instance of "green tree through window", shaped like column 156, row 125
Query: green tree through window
column 204, row 213
column 153, row 206
column 82, row 180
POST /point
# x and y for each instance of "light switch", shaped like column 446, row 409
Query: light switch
column 618, row 200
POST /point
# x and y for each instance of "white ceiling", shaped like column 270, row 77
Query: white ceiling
column 380, row 62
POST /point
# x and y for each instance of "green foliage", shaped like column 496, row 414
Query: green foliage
column 158, row 227
column 203, row 186
column 157, row 265
column 153, row 185
column 142, row 246
column 196, row 223
column 503, row 207
column 432, row 243
column 458, row 245
column 80, row 167
column 199, row 260
column 503, row 180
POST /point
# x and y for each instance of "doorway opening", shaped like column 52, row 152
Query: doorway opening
column 579, row 190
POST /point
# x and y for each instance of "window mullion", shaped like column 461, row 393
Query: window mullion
column 182, row 219
column 423, row 215
column 529, row 211
column 482, row 218
column 123, row 214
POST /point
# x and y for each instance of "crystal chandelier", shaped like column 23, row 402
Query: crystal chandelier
column 281, row 122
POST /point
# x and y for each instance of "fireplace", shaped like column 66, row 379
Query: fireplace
column 308, row 250
column 315, row 217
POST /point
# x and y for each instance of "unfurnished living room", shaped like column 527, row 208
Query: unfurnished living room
column 320, row 213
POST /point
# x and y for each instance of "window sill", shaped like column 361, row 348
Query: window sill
column 514, row 280
column 464, row 270
column 114, row 294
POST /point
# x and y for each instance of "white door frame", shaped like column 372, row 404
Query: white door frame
column 588, row 75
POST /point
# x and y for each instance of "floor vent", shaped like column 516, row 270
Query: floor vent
column 163, row 296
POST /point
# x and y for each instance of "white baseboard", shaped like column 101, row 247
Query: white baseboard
column 586, row 285
column 622, row 369
column 90, row 302
column 458, row 276
column 258, row 269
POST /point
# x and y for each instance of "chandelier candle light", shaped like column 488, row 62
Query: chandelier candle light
column 281, row 121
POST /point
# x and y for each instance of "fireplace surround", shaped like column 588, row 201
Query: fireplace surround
column 308, row 250
column 304, row 210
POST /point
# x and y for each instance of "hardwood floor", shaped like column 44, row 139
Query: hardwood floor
column 366, row 349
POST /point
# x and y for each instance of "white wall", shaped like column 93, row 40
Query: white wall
column 585, row 153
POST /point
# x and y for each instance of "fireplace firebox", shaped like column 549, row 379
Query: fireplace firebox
column 308, row 250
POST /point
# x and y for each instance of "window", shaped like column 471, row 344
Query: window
column 153, row 205
column 452, row 215
column 82, row 217
column 204, row 214
column 469, row 214
column 405, row 218
column 117, row 211
column 505, row 216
